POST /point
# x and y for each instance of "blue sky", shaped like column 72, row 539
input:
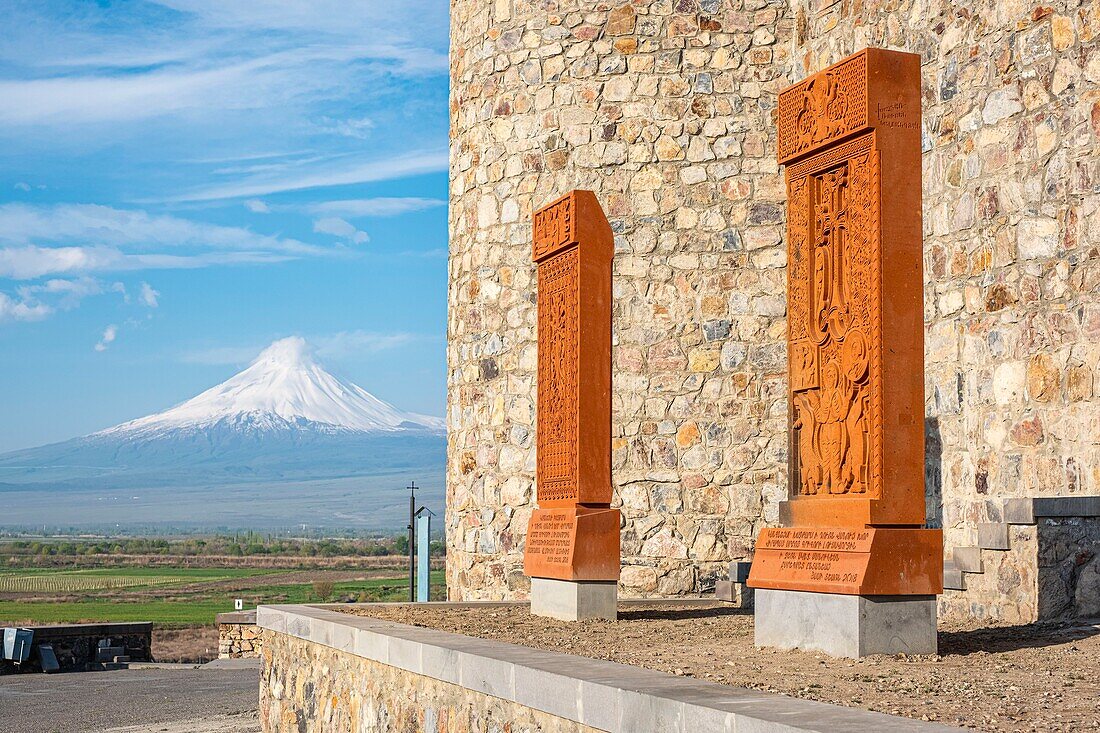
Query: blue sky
column 184, row 181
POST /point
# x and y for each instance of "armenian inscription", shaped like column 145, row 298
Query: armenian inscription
column 855, row 505
column 552, row 538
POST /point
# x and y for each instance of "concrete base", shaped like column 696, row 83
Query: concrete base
column 574, row 600
column 845, row 626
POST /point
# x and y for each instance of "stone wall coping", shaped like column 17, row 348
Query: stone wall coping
column 236, row 617
column 605, row 695
column 1027, row 510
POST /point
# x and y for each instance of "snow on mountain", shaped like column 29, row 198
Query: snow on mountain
column 282, row 422
column 284, row 388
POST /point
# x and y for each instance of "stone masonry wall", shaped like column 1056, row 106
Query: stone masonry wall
column 310, row 688
column 239, row 641
column 665, row 109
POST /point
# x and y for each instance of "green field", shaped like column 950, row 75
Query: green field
column 176, row 596
column 98, row 579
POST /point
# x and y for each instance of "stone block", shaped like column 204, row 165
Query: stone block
column 1019, row 511
column 968, row 559
column 953, row 578
column 993, row 536
column 569, row 600
column 845, row 625
column 731, row 592
column 1066, row 506
column 739, row 570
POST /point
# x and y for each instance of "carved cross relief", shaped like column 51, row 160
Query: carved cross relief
column 834, row 291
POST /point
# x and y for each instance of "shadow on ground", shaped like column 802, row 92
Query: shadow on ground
column 996, row 639
column 680, row 614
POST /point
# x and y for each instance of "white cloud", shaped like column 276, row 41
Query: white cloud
column 67, row 294
column 104, row 225
column 335, row 346
column 109, row 335
column 345, row 344
column 23, row 186
column 256, row 206
column 69, row 100
column 27, row 263
column 329, row 174
column 340, row 228
column 21, row 310
column 88, row 238
column 382, row 206
column 356, row 128
column 149, row 296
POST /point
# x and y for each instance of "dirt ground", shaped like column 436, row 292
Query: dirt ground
column 1040, row 677
column 192, row 644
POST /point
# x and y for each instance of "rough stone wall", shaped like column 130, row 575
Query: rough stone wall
column 1050, row 570
column 310, row 688
column 239, row 641
column 1012, row 228
column 1069, row 568
column 664, row 109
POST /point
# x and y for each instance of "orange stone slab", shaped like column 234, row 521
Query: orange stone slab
column 871, row 561
column 574, row 535
column 850, row 141
column 575, row 543
column 573, row 249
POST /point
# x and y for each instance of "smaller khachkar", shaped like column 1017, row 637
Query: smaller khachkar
column 849, row 137
column 574, row 534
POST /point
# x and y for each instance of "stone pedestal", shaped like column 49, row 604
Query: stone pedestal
column 574, row 600
column 845, row 625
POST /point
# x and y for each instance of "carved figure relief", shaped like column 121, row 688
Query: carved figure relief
column 823, row 108
column 557, row 375
column 834, row 329
column 553, row 228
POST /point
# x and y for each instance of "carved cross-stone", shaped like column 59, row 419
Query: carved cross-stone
column 574, row 534
column 850, row 138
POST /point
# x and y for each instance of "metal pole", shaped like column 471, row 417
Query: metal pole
column 412, row 542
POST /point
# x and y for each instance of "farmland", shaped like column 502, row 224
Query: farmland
column 182, row 591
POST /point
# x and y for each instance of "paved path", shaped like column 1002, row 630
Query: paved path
column 185, row 700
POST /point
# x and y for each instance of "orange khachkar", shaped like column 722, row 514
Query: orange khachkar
column 574, row 534
column 850, row 138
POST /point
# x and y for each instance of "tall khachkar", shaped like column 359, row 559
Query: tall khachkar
column 849, row 137
column 572, row 552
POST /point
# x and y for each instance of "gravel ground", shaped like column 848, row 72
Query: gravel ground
column 174, row 700
column 1041, row 677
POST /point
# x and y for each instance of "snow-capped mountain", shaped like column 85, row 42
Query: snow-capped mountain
column 284, row 389
column 284, row 420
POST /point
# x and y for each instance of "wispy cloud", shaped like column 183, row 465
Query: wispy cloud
column 356, row 128
column 86, row 238
column 150, row 298
column 387, row 169
column 338, row 227
column 381, row 206
column 256, row 206
column 67, row 294
column 109, row 335
column 346, row 344
column 21, row 310
column 335, row 346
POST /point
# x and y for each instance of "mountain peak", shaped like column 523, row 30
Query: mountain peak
column 284, row 386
